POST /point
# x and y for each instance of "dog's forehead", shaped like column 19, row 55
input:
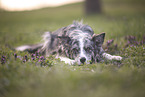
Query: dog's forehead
column 84, row 41
column 75, row 42
column 88, row 42
column 79, row 34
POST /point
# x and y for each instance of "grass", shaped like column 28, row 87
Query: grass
column 50, row 77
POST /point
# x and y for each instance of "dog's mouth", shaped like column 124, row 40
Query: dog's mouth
column 82, row 61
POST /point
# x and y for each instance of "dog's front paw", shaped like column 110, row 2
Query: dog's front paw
column 71, row 62
column 112, row 57
column 67, row 60
column 118, row 58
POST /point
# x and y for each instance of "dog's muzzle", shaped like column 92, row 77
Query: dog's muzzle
column 83, row 60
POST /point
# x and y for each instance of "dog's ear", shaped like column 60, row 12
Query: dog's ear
column 98, row 39
column 64, row 39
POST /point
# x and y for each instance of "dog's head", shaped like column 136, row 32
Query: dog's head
column 81, row 45
column 86, row 49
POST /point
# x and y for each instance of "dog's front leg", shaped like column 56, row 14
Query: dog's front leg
column 67, row 60
column 111, row 57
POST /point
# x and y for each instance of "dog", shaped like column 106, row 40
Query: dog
column 75, row 43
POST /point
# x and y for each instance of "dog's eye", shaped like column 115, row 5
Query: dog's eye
column 75, row 50
column 88, row 49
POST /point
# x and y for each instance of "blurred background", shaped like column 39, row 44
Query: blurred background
column 23, row 18
column 21, row 5
column 19, row 17
column 91, row 6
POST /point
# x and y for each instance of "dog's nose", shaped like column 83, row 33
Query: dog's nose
column 83, row 59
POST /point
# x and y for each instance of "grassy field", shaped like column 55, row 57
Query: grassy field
column 123, row 21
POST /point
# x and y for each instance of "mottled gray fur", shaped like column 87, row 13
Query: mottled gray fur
column 75, row 43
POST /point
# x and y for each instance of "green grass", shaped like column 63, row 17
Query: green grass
column 54, row 78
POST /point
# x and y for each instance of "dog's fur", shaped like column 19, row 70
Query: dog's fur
column 75, row 43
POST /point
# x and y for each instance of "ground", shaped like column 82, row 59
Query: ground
column 26, row 75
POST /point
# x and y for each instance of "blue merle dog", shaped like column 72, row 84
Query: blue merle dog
column 75, row 43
